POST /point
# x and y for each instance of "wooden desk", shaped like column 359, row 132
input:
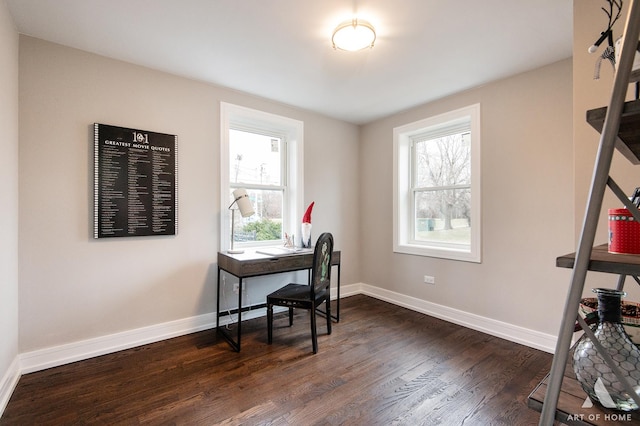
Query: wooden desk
column 252, row 264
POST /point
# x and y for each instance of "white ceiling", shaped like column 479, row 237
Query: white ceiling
column 281, row 49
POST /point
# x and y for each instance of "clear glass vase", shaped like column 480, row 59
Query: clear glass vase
column 593, row 373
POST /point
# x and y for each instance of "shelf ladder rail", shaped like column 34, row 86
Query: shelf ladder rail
column 599, row 181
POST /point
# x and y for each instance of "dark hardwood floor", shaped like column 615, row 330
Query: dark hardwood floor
column 382, row 365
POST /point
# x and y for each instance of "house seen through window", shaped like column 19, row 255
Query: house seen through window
column 262, row 153
column 256, row 164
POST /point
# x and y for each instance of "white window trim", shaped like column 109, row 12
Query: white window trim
column 234, row 116
column 402, row 202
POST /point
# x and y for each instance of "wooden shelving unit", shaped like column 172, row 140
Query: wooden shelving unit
column 628, row 142
column 603, row 261
column 571, row 399
column 619, row 126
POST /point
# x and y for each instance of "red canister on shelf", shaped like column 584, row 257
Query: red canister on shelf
column 624, row 232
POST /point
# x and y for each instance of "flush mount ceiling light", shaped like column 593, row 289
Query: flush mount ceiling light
column 353, row 35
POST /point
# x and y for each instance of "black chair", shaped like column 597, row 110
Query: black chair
column 307, row 296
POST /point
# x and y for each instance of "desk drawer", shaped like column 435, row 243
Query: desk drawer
column 244, row 266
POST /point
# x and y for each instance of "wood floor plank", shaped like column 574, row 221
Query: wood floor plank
column 382, row 365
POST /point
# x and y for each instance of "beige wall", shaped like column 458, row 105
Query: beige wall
column 588, row 93
column 535, row 173
column 9, row 203
column 527, row 204
column 75, row 288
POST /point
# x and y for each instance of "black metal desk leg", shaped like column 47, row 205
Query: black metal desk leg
column 218, row 302
column 337, row 317
column 239, row 312
column 235, row 344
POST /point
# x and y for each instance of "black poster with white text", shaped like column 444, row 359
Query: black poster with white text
column 135, row 182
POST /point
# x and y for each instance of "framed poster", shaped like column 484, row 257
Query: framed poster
column 135, row 182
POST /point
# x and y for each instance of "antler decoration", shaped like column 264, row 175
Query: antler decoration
column 615, row 7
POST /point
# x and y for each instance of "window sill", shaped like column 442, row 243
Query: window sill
column 437, row 252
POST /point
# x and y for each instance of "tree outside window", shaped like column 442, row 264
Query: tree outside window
column 264, row 154
column 256, row 165
column 442, row 182
column 437, row 186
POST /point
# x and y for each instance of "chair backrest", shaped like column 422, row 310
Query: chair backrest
column 321, row 272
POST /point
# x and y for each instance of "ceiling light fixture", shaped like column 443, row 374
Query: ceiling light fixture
column 353, row 35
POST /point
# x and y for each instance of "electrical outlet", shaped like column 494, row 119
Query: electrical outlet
column 236, row 288
column 429, row 279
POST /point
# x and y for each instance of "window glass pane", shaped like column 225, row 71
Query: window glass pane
column 443, row 216
column 254, row 158
column 262, row 153
column 266, row 223
column 443, row 161
column 437, row 186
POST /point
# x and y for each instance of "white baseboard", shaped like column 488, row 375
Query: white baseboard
column 84, row 349
column 351, row 290
column 534, row 339
column 77, row 351
column 8, row 383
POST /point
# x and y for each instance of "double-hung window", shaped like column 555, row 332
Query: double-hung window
column 262, row 153
column 437, row 186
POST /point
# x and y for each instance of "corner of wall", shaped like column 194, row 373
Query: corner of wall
column 8, row 384
column 9, row 58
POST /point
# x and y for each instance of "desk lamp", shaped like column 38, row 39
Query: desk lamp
column 241, row 199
